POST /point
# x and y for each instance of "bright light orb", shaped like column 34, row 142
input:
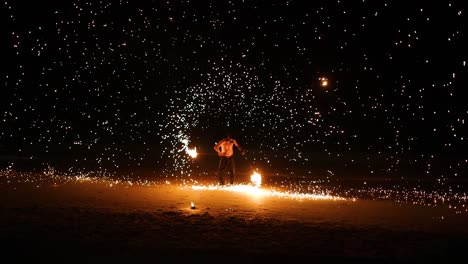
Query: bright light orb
column 192, row 152
column 323, row 82
column 256, row 179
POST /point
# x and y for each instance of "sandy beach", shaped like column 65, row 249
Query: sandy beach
column 89, row 218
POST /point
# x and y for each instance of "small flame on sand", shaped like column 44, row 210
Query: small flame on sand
column 256, row 179
column 192, row 205
column 192, row 152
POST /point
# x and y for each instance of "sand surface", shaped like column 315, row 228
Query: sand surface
column 106, row 220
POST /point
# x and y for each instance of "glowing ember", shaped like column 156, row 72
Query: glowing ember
column 192, row 152
column 256, row 179
column 323, row 81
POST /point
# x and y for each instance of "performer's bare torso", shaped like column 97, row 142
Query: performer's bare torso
column 227, row 149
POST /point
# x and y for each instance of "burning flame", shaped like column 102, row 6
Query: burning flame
column 192, row 152
column 256, row 179
column 192, row 205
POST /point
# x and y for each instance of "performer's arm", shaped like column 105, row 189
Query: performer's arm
column 216, row 147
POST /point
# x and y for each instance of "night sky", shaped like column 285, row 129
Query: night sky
column 127, row 84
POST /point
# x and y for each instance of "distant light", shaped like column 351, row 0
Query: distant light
column 323, row 81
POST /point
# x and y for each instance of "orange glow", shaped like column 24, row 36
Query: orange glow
column 323, row 81
column 256, row 179
column 192, row 152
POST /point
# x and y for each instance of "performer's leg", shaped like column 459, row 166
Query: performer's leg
column 233, row 170
column 221, row 165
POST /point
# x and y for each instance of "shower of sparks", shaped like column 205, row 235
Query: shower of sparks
column 256, row 191
column 124, row 85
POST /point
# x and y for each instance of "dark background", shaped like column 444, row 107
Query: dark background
column 116, row 85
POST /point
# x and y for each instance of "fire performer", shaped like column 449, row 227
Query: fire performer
column 225, row 150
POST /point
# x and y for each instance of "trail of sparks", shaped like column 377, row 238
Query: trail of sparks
column 257, row 191
column 107, row 76
column 314, row 190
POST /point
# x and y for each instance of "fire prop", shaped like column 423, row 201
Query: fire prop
column 192, row 152
column 256, row 179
